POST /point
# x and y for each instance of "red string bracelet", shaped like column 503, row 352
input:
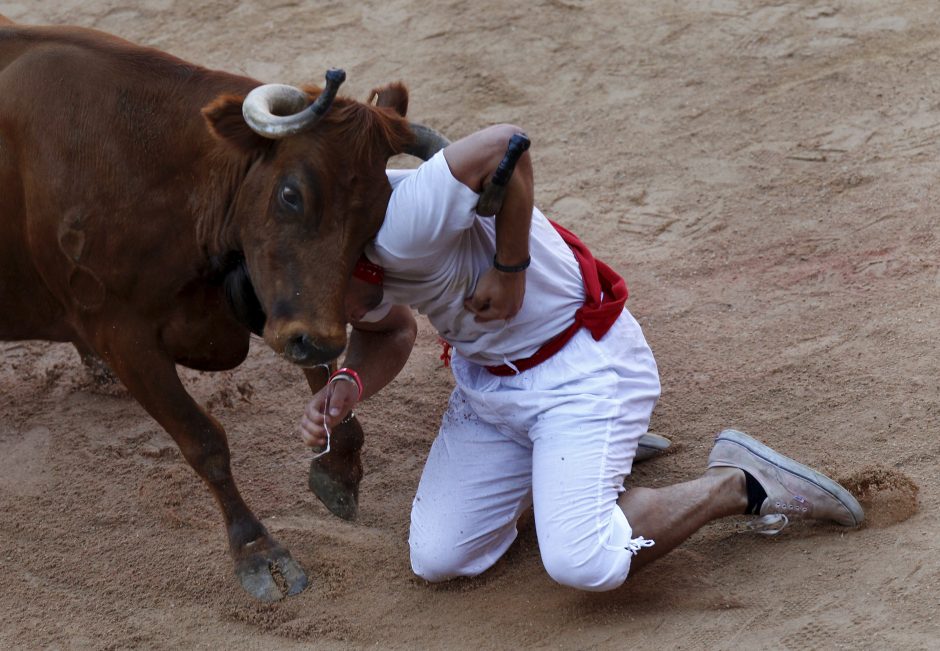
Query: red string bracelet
column 350, row 376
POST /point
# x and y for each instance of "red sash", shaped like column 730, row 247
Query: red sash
column 606, row 293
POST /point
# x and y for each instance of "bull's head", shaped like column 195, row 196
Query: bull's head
column 314, row 194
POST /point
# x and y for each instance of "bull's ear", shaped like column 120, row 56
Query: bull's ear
column 224, row 117
column 393, row 96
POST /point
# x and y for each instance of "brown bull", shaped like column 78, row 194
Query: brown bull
column 133, row 192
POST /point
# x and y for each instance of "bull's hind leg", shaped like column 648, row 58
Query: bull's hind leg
column 260, row 562
column 334, row 478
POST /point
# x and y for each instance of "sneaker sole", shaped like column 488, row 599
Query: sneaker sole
column 797, row 469
column 650, row 445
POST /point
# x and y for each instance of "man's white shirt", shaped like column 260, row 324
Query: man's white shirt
column 434, row 248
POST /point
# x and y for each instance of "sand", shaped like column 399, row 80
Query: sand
column 764, row 176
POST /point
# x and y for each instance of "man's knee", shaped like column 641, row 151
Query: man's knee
column 596, row 569
column 436, row 562
column 440, row 556
column 443, row 549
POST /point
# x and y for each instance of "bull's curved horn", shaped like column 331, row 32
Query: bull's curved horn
column 276, row 111
column 427, row 142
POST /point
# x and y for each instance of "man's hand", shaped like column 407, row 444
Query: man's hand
column 498, row 295
column 328, row 407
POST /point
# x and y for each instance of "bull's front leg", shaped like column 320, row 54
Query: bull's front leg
column 100, row 373
column 264, row 568
column 334, row 478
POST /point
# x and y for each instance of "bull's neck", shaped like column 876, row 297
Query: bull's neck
column 224, row 172
column 221, row 169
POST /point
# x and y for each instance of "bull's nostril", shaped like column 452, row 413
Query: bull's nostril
column 307, row 350
column 299, row 348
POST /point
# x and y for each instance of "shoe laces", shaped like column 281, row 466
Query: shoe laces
column 768, row 525
column 639, row 543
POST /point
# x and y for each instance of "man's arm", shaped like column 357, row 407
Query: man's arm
column 472, row 161
column 377, row 352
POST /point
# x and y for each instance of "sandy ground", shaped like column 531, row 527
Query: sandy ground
column 762, row 172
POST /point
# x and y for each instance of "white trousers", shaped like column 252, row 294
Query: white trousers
column 559, row 437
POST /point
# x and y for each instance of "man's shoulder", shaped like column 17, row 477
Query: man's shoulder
column 396, row 175
column 428, row 209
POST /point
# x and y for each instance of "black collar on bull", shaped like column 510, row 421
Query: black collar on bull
column 232, row 272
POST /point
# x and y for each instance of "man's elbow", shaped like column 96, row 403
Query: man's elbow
column 473, row 159
column 405, row 330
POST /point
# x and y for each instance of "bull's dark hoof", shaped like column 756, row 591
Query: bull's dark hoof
column 341, row 498
column 271, row 575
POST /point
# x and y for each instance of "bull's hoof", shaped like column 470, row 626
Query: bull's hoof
column 340, row 498
column 271, row 576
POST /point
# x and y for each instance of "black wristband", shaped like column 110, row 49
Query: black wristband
column 510, row 269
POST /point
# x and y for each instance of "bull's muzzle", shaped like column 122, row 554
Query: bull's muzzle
column 303, row 350
column 299, row 346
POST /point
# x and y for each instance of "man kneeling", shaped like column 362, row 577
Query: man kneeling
column 555, row 385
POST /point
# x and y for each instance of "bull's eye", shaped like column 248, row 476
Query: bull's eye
column 290, row 198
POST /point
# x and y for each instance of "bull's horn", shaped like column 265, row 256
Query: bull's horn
column 427, row 142
column 276, row 111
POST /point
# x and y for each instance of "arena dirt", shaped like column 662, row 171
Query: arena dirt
column 763, row 174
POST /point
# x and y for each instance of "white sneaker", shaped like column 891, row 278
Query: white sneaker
column 793, row 490
column 649, row 446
